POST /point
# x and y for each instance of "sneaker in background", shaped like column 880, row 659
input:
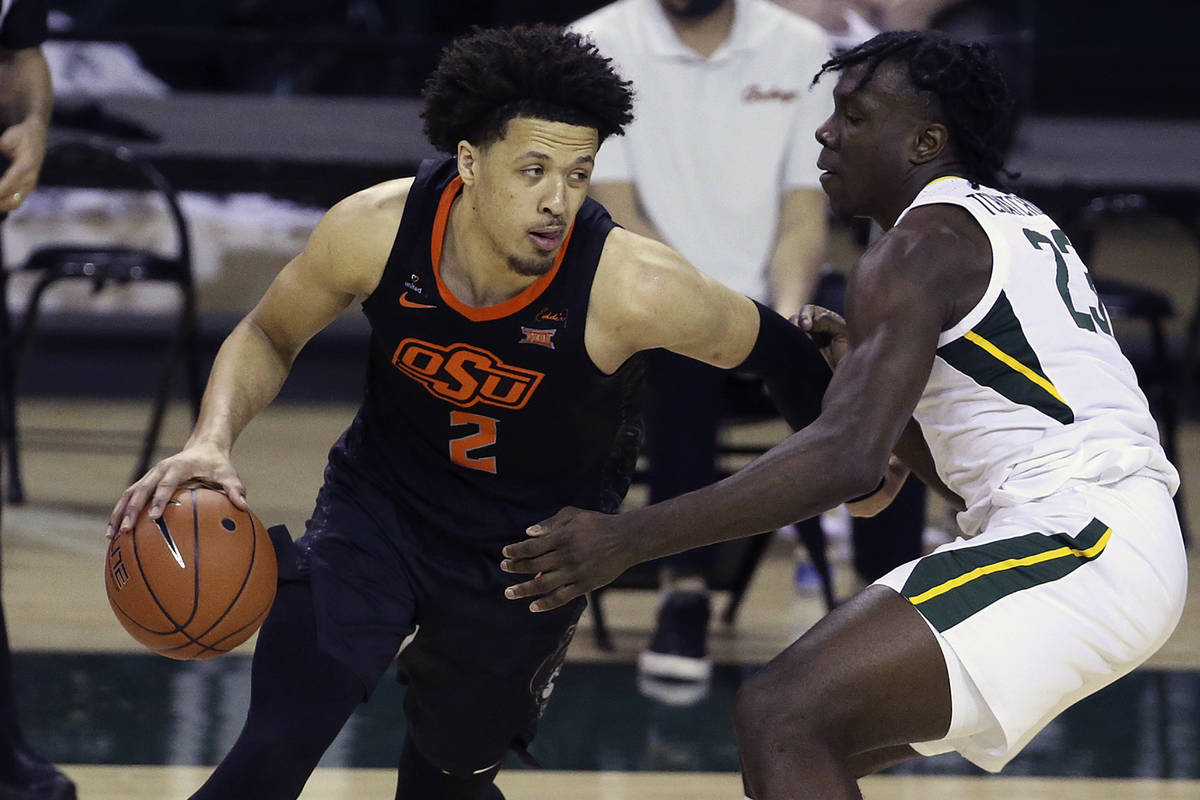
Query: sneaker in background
column 678, row 649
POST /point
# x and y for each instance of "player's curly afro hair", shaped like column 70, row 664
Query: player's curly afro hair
column 965, row 86
column 488, row 77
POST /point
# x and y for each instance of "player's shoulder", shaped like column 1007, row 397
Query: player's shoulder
column 931, row 243
column 640, row 277
column 629, row 256
column 938, row 224
column 381, row 200
column 355, row 237
column 365, row 211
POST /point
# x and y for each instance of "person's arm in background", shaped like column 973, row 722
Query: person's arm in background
column 26, row 100
column 803, row 230
column 799, row 250
column 621, row 200
column 613, row 186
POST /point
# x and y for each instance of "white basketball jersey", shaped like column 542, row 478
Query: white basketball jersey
column 1030, row 392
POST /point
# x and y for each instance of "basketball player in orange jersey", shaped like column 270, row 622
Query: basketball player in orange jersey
column 507, row 314
column 974, row 314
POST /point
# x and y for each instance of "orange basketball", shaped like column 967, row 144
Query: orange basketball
column 197, row 582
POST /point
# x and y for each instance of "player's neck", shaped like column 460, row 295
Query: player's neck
column 705, row 34
column 908, row 191
column 474, row 270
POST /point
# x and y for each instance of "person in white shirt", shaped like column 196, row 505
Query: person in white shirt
column 720, row 164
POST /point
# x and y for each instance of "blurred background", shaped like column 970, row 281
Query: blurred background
column 257, row 115
column 263, row 113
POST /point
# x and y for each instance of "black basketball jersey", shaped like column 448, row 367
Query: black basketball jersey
column 485, row 420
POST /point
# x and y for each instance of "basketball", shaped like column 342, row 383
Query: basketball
column 195, row 583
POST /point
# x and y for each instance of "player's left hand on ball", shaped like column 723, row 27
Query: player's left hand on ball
column 570, row 554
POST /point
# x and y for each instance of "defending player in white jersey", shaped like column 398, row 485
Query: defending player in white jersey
column 974, row 316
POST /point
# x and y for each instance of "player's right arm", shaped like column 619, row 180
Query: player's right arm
column 343, row 259
column 911, row 448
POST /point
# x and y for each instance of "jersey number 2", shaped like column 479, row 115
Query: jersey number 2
column 484, row 435
column 1059, row 245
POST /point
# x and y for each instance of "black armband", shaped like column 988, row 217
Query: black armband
column 882, row 483
column 791, row 366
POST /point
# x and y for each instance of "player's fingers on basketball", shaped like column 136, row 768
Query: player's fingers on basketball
column 114, row 518
column 234, row 489
column 168, row 481
column 131, row 502
column 118, row 512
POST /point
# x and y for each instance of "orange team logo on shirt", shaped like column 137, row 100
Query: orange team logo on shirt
column 465, row 375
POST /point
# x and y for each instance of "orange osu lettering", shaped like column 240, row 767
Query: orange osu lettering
column 465, row 375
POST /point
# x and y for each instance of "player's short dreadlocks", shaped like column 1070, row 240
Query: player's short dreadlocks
column 964, row 85
column 486, row 78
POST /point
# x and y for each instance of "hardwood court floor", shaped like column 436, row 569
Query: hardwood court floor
column 154, row 783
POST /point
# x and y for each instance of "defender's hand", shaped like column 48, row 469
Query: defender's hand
column 572, row 553
column 203, row 463
column 828, row 331
column 881, row 498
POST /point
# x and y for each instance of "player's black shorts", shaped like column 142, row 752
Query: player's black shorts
column 480, row 668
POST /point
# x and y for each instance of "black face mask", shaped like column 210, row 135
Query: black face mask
column 695, row 9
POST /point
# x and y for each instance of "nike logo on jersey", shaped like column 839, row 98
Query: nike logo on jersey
column 404, row 301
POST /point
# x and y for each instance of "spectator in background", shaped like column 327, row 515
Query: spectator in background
column 720, row 164
column 26, row 100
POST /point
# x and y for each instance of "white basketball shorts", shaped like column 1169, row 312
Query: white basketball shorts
column 1052, row 601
